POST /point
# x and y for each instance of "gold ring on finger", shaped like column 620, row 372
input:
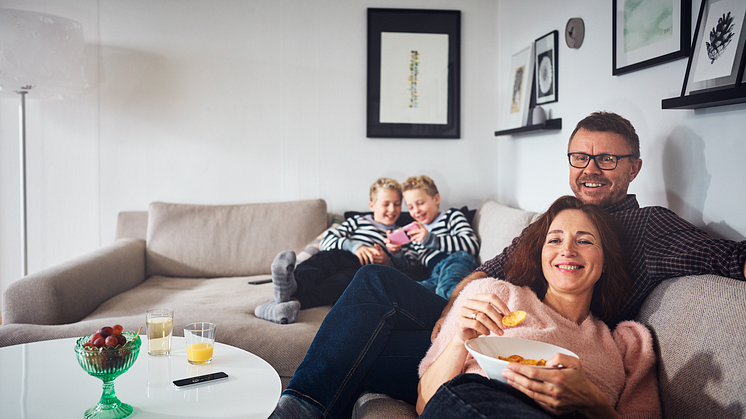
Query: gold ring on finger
column 474, row 314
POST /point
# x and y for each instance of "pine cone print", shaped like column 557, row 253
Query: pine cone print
column 720, row 37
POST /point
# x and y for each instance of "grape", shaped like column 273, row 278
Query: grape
column 117, row 329
column 111, row 341
column 94, row 337
column 106, row 331
column 99, row 343
column 121, row 339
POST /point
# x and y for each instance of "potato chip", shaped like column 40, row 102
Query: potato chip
column 521, row 360
column 514, row 318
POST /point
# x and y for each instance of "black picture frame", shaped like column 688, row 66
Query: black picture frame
column 393, row 30
column 546, row 65
column 654, row 52
column 695, row 82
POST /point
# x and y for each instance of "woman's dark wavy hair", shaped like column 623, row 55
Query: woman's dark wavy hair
column 523, row 267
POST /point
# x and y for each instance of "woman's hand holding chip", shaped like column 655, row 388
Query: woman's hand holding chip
column 481, row 315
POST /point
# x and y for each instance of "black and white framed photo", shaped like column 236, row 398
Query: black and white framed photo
column 648, row 33
column 547, row 71
column 717, row 59
column 414, row 73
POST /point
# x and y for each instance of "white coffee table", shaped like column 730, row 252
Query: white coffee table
column 44, row 380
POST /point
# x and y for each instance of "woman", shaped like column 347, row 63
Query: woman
column 568, row 274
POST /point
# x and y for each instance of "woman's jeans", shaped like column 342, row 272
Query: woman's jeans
column 474, row 396
column 449, row 272
column 373, row 339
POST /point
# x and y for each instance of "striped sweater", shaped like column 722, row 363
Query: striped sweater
column 359, row 231
column 448, row 233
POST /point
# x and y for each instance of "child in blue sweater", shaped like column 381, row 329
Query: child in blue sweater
column 443, row 242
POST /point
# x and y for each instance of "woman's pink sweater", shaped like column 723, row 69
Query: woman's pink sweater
column 621, row 364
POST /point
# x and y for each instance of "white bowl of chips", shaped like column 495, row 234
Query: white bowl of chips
column 487, row 350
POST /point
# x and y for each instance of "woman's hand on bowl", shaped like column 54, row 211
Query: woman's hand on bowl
column 560, row 390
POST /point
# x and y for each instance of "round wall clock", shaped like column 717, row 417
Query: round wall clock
column 574, row 32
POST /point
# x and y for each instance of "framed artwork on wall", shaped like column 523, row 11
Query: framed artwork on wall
column 717, row 59
column 547, row 69
column 648, row 33
column 414, row 66
column 519, row 82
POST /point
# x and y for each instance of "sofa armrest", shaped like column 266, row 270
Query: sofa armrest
column 699, row 327
column 68, row 292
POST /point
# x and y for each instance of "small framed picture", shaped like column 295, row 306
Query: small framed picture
column 648, row 33
column 545, row 50
column 519, row 82
column 718, row 47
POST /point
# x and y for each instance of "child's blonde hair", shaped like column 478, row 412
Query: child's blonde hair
column 384, row 183
column 420, row 182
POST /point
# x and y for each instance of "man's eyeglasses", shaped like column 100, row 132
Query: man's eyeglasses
column 603, row 161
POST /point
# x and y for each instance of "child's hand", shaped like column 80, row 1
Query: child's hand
column 392, row 247
column 418, row 234
column 369, row 255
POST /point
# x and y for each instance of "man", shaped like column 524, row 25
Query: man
column 379, row 330
column 604, row 155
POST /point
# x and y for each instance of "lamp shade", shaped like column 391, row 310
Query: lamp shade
column 43, row 52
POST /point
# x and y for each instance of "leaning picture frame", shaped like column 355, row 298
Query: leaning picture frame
column 519, row 88
column 649, row 33
column 413, row 88
column 717, row 58
column 547, row 68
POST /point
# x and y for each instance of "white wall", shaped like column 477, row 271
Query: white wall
column 692, row 160
column 227, row 102
column 238, row 101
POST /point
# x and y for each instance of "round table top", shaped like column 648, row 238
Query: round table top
column 44, row 379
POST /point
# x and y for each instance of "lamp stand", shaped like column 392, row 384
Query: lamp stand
column 22, row 148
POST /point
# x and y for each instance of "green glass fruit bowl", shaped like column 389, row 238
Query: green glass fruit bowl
column 108, row 364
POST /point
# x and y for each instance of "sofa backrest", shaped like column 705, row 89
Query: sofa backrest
column 205, row 241
column 132, row 225
column 497, row 225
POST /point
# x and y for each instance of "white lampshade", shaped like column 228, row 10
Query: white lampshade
column 42, row 51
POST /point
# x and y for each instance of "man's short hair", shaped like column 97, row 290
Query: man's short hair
column 610, row 122
column 420, row 182
column 381, row 184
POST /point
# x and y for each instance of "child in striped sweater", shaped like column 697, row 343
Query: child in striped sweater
column 321, row 280
column 443, row 242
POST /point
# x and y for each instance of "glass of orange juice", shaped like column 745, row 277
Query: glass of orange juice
column 200, row 341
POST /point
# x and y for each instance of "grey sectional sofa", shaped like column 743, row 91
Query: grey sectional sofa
column 198, row 259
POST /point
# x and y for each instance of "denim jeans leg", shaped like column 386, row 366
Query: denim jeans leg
column 450, row 271
column 474, row 396
column 372, row 339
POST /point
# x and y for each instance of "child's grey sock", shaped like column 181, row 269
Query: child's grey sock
column 283, row 278
column 289, row 407
column 282, row 313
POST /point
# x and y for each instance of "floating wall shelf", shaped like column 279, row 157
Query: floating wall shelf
column 707, row 99
column 550, row 125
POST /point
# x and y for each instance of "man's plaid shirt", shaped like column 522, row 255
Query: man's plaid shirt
column 660, row 245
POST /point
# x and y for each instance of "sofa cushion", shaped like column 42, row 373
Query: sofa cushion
column 497, row 225
column 203, row 241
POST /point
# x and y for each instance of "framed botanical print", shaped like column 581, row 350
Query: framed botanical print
column 718, row 49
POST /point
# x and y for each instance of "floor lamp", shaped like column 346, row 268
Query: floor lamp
column 45, row 53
